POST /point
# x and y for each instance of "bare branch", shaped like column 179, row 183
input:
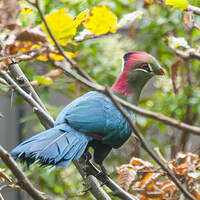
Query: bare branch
column 188, row 54
column 37, row 108
column 194, row 9
column 23, row 181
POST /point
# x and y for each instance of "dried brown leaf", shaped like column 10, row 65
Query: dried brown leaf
column 139, row 163
column 33, row 36
column 9, row 13
column 127, row 175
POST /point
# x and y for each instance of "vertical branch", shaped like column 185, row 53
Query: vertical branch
column 188, row 115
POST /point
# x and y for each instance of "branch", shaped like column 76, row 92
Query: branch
column 194, row 9
column 44, row 116
column 106, row 180
column 60, row 50
column 147, row 148
column 23, row 181
column 188, row 54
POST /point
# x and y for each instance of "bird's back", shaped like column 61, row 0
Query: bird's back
column 96, row 113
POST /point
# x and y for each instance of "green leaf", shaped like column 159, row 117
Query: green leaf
column 44, row 80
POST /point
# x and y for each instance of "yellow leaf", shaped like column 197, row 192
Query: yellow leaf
column 42, row 57
column 61, row 25
column 149, row 1
column 101, row 20
column 44, row 80
column 81, row 17
column 70, row 54
column 179, row 4
column 26, row 11
column 37, row 46
column 56, row 56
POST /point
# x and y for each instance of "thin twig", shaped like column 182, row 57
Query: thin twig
column 147, row 148
column 38, row 109
column 60, row 50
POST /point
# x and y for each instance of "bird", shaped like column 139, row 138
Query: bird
column 92, row 120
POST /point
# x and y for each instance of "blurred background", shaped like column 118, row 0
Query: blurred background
column 176, row 95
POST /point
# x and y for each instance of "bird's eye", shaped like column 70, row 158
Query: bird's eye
column 146, row 67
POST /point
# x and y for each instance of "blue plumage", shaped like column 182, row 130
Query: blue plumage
column 92, row 113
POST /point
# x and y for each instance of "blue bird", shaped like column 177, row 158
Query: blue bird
column 91, row 120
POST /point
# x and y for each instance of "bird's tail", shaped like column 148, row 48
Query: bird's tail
column 57, row 146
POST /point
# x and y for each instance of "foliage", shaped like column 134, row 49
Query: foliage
column 159, row 29
column 147, row 181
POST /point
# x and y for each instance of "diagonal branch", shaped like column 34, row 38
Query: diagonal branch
column 147, row 148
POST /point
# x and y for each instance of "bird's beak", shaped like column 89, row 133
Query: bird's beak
column 161, row 71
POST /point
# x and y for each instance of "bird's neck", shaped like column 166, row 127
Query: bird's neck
column 128, row 88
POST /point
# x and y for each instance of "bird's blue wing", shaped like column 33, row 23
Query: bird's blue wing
column 85, row 114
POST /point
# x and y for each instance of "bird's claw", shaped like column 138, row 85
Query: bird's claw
column 87, row 156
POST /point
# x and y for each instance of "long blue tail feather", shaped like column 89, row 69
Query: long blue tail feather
column 56, row 146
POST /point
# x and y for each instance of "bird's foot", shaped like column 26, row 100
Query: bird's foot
column 87, row 156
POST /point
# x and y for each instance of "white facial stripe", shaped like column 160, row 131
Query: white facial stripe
column 140, row 69
column 122, row 68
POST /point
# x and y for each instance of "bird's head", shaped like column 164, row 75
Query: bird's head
column 137, row 68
